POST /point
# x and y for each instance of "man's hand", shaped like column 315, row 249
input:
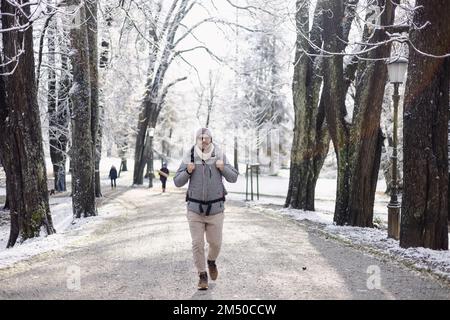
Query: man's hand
column 191, row 167
column 220, row 165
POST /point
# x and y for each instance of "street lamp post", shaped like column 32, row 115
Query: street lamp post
column 150, row 133
column 396, row 69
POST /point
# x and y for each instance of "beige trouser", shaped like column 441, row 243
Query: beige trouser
column 212, row 227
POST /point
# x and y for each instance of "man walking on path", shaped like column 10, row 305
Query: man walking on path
column 204, row 166
column 113, row 176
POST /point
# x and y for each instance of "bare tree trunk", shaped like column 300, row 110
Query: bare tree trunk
column 152, row 103
column 139, row 152
column 169, row 147
column 22, row 149
column 207, row 117
column 51, row 101
column 63, row 107
column 98, row 152
column 124, row 165
column 103, row 64
column 366, row 136
column 306, row 154
column 311, row 136
column 58, row 109
column 425, row 124
column 147, row 151
column 335, row 109
column 149, row 157
column 92, row 30
column 82, row 152
column 357, row 142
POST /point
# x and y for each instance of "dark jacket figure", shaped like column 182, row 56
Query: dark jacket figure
column 162, row 177
column 113, row 176
column 60, row 180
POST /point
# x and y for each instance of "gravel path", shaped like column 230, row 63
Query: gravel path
column 144, row 253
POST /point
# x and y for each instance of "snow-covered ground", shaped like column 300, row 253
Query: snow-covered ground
column 273, row 190
column 67, row 228
column 67, row 232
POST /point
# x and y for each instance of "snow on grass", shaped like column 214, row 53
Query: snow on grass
column 318, row 217
column 436, row 261
column 68, row 230
column 61, row 211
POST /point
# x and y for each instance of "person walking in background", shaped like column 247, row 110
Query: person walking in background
column 113, row 176
column 163, row 175
column 60, row 177
column 204, row 166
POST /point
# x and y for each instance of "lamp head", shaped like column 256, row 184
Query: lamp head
column 397, row 67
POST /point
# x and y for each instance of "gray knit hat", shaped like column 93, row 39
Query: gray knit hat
column 204, row 131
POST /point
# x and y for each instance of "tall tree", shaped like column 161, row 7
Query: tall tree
column 51, row 100
column 311, row 134
column 311, row 139
column 82, row 151
column 58, row 101
column 161, row 47
column 92, row 30
column 20, row 127
column 357, row 140
column 366, row 138
column 425, row 124
column 260, row 105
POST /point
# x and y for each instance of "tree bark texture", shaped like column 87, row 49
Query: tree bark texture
column 20, row 127
column 82, row 152
column 425, row 123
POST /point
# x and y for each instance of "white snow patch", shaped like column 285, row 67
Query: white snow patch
column 318, row 217
column 436, row 261
column 68, row 230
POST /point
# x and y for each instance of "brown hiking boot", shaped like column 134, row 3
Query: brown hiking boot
column 213, row 272
column 203, row 281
